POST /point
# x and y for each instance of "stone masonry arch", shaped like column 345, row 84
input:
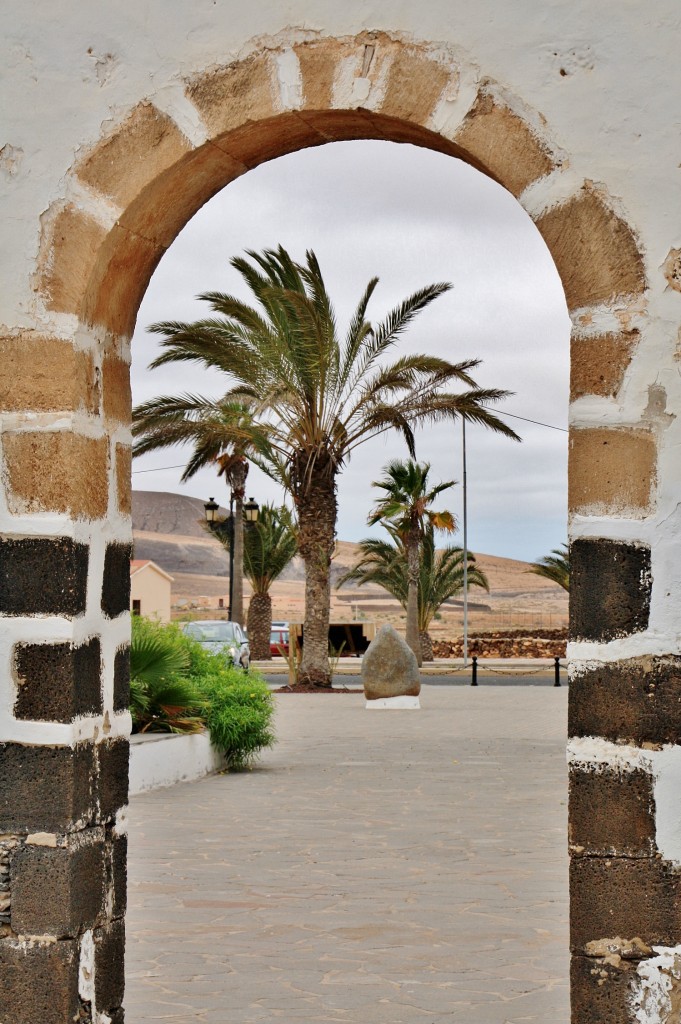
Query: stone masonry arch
column 65, row 540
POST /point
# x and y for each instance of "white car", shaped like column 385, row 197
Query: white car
column 220, row 635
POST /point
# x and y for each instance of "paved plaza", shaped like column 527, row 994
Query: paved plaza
column 378, row 867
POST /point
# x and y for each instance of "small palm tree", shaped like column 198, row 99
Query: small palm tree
column 555, row 567
column 302, row 397
column 269, row 546
column 405, row 506
column 207, row 426
column 440, row 576
column 162, row 698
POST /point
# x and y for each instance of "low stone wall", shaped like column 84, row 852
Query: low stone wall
column 162, row 759
column 517, row 643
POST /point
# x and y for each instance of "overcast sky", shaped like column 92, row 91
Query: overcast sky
column 411, row 217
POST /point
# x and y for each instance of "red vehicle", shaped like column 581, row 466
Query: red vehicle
column 279, row 639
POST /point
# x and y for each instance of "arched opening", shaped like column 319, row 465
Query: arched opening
column 129, row 197
column 411, row 216
column 407, row 215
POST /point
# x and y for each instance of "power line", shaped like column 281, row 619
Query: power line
column 158, row 469
column 497, row 412
column 551, row 426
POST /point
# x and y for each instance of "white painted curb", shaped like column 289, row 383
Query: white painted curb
column 163, row 759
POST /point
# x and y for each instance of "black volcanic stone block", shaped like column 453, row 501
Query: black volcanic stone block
column 58, row 682
column 610, row 584
column 623, row 896
column 46, row 789
column 109, row 966
column 39, row 982
column 40, row 576
column 637, row 700
column 121, row 695
column 114, row 757
column 58, row 891
column 116, row 583
column 119, row 874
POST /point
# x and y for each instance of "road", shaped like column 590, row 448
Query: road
column 485, row 678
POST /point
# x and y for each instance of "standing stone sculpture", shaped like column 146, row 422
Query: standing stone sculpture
column 390, row 673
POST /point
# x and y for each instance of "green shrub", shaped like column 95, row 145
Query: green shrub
column 178, row 686
column 162, row 698
column 239, row 717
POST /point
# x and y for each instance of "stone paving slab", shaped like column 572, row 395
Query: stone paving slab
column 404, row 867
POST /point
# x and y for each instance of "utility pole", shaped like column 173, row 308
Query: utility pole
column 465, row 548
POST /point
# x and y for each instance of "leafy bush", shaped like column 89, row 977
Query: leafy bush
column 239, row 718
column 178, row 686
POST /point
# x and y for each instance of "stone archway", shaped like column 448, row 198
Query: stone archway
column 126, row 198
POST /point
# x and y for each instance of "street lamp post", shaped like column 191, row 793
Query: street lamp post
column 225, row 527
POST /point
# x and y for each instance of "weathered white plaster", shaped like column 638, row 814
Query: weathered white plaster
column 656, row 977
column 553, row 189
column 289, row 79
column 402, row 703
column 172, row 100
column 592, row 753
column 101, row 208
column 158, row 759
column 121, row 823
column 590, row 321
column 86, row 971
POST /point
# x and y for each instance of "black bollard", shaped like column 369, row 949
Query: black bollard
column 556, row 669
column 474, row 679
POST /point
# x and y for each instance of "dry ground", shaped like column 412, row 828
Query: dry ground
column 517, row 598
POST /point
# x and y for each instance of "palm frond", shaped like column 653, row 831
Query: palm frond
column 554, row 567
column 441, row 577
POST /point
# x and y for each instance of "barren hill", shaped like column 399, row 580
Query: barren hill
column 167, row 528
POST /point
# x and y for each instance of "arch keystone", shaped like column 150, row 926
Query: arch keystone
column 137, row 151
column 504, row 143
column 318, row 61
column 594, row 250
column 415, row 84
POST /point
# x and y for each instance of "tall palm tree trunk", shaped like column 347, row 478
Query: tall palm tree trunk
column 413, row 635
column 238, row 491
column 316, row 539
column 426, row 646
column 260, row 626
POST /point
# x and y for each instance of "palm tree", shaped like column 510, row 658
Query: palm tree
column 405, row 505
column 208, row 426
column 555, row 567
column 440, row 575
column 269, row 546
column 313, row 397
